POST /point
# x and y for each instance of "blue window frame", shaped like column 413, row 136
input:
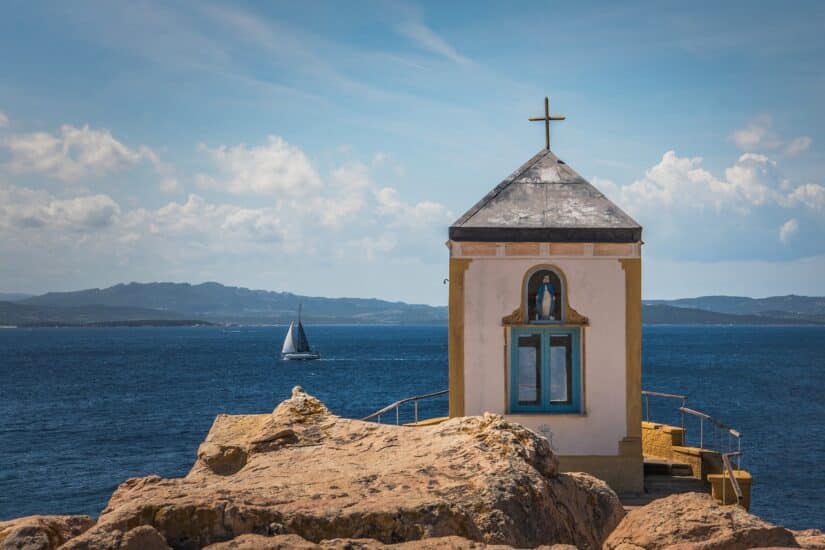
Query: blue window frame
column 545, row 370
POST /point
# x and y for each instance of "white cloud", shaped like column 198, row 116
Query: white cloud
column 353, row 176
column 691, row 213
column 415, row 216
column 676, row 181
column 170, row 185
column 682, row 183
column 345, row 211
column 388, row 201
column 756, row 136
column 811, row 195
column 202, row 223
column 751, row 178
column 346, row 219
column 26, row 209
column 788, row 229
column 90, row 212
column 428, row 40
column 798, row 145
column 4, row 120
column 374, row 248
column 72, row 153
column 275, row 168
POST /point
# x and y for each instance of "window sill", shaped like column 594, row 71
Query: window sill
column 545, row 413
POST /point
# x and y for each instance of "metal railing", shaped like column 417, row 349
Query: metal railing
column 722, row 429
column 646, row 394
column 734, row 483
column 726, row 451
column 414, row 400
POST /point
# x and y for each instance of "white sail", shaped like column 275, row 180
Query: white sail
column 289, row 345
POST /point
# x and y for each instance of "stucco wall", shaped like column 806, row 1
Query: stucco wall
column 596, row 289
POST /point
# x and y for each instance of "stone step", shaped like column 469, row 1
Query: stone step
column 660, row 466
column 668, row 485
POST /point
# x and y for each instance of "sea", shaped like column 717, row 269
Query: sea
column 83, row 409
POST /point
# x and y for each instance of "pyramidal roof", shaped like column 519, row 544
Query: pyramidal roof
column 545, row 201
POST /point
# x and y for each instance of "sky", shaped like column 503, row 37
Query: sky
column 324, row 148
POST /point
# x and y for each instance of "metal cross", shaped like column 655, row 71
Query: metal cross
column 546, row 118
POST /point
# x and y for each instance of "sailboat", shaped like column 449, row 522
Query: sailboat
column 296, row 345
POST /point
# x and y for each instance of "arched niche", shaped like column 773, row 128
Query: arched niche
column 544, row 296
column 524, row 314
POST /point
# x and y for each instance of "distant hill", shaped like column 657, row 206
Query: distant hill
column 216, row 302
column 13, row 296
column 792, row 307
column 661, row 314
column 12, row 313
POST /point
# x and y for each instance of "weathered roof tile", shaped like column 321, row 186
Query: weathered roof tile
column 545, row 201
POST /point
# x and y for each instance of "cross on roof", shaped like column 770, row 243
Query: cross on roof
column 546, row 118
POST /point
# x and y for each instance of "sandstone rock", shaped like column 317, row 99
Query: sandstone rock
column 812, row 539
column 143, row 537
column 303, row 471
column 694, row 521
column 41, row 532
column 284, row 542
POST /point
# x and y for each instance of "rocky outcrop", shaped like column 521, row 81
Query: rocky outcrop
column 694, row 521
column 41, row 532
column 304, row 478
column 294, row 542
column 142, row 537
column 812, row 539
column 302, row 471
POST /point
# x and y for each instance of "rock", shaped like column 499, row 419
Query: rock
column 143, row 537
column 812, row 539
column 695, row 521
column 303, row 471
column 294, row 542
column 260, row 542
column 41, row 532
column 221, row 459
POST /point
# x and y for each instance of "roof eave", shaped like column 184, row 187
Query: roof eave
column 547, row 234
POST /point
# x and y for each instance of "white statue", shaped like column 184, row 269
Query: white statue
column 545, row 300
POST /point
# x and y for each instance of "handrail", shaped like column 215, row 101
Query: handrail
column 708, row 417
column 415, row 399
column 725, row 453
column 737, row 490
column 722, row 426
column 662, row 394
column 647, row 394
column 685, row 410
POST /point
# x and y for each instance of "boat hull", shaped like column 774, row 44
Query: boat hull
column 301, row 356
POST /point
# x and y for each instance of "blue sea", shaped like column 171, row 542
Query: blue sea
column 81, row 410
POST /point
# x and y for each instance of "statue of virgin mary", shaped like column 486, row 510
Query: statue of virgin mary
column 546, row 300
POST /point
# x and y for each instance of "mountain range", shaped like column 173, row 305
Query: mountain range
column 209, row 302
column 790, row 307
column 184, row 303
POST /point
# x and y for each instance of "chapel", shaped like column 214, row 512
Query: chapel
column 545, row 316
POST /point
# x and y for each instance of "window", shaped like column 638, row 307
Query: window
column 543, row 297
column 545, row 370
column 529, row 369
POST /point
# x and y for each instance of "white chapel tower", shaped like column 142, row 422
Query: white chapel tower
column 545, row 316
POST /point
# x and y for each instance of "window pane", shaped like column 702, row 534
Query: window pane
column 529, row 367
column 560, row 368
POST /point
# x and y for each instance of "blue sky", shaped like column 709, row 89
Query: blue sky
column 324, row 149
